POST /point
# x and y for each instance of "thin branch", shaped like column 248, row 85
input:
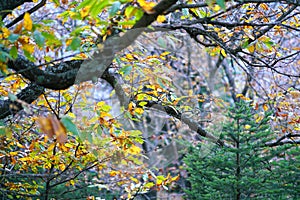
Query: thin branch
column 32, row 10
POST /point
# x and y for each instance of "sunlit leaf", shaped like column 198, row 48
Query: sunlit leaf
column 265, row 107
column 27, row 22
column 247, row 127
column 161, row 18
column 13, row 52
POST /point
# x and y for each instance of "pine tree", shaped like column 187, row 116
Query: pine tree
column 248, row 169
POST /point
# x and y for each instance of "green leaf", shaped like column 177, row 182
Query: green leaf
column 14, row 52
column 4, row 56
column 47, row 21
column 12, row 97
column 105, row 108
column 269, row 44
column 86, row 3
column 221, row 3
column 39, row 39
column 56, row 2
column 2, row 128
column 13, row 37
column 245, row 44
column 29, row 56
column 129, row 22
column 75, row 44
column 126, row 70
column 70, row 126
column 51, row 39
column 129, row 11
column 114, row 9
column 98, row 7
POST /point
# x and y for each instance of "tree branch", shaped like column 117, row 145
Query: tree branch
column 28, row 95
column 6, row 6
column 77, row 71
column 32, row 10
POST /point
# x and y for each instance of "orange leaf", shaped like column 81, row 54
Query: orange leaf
column 251, row 48
column 264, row 6
column 265, row 107
column 45, row 126
column 52, row 126
column 18, row 28
column 64, row 2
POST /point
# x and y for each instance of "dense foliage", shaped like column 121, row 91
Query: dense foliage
column 248, row 169
column 96, row 94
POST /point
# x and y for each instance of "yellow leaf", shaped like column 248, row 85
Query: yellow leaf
column 68, row 41
column 239, row 95
column 258, row 119
column 72, row 182
column 51, row 147
column 176, row 178
column 295, row 94
column 20, row 145
column 100, row 103
column 247, row 127
column 223, row 53
column 62, row 166
column 216, row 8
column 13, row 153
column 85, row 11
column 139, row 111
column 134, row 180
column 28, row 47
column 251, row 48
column 25, row 159
column 72, row 115
column 27, row 22
column 147, row 6
column 134, row 150
column 3, row 67
column 265, row 107
column 161, row 18
column 246, row 98
column 113, row 173
column 6, row 32
column 129, row 56
column 130, row 106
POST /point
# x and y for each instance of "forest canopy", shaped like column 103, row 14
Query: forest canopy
column 107, row 97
